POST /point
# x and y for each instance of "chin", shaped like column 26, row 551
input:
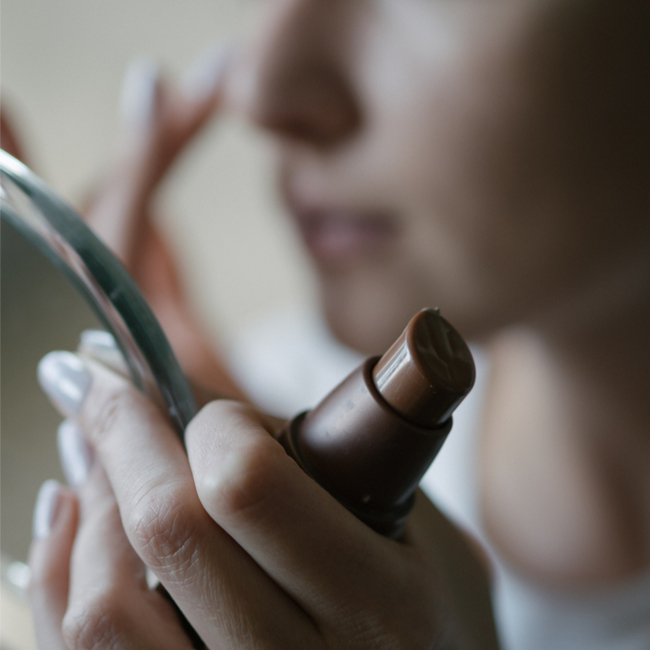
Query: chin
column 355, row 333
column 369, row 317
column 365, row 313
column 360, row 339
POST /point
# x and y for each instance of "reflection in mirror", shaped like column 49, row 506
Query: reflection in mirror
column 40, row 312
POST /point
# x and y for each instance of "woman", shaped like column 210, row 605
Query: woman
column 488, row 158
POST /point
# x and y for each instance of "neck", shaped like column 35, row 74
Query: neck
column 602, row 361
column 569, row 411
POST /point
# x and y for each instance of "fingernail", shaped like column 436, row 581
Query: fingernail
column 202, row 78
column 98, row 339
column 76, row 454
column 101, row 345
column 46, row 510
column 65, row 379
column 139, row 98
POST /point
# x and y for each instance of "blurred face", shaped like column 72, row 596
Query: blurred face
column 488, row 157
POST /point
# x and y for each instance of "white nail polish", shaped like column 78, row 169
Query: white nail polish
column 202, row 78
column 65, row 379
column 139, row 98
column 75, row 453
column 101, row 345
column 98, row 339
column 45, row 511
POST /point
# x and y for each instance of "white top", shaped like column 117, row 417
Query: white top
column 288, row 362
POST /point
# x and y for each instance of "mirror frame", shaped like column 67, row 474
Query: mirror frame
column 60, row 234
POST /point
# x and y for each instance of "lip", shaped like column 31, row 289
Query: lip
column 338, row 235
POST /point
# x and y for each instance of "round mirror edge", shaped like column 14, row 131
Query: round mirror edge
column 105, row 285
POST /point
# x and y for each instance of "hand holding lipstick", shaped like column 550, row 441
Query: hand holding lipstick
column 254, row 551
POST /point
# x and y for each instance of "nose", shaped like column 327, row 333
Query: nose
column 293, row 79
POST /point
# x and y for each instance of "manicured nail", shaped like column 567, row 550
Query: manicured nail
column 139, row 99
column 76, row 454
column 46, row 510
column 202, row 78
column 65, row 379
column 98, row 339
column 101, row 345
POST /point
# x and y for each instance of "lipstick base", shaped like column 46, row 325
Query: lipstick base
column 388, row 522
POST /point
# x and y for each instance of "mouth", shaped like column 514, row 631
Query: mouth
column 336, row 236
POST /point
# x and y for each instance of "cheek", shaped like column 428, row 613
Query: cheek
column 443, row 114
column 454, row 138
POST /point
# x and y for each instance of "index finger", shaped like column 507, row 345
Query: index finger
column 346, row 576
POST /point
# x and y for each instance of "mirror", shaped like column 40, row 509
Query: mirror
column 44, row 310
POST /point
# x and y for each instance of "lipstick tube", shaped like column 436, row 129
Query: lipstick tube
column 370, row 441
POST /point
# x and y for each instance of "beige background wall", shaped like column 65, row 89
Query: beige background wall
column 62, row 67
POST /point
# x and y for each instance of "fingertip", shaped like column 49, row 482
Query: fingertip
column 102, row 346
column 204, row 76
column 97, row 340
column 65, row 379
column 140, row 94
column 55, row 524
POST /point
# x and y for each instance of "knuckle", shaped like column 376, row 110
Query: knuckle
column 219, row 419
column 246, row 482
column 208, row 413
column 101, row 623
column 373, row 634
column 163, row 529
column 406, row 617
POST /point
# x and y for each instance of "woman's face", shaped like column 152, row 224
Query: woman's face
column 461, row 154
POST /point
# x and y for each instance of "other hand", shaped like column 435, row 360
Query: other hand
column 160, row 121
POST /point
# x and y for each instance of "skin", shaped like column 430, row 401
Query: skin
column 477, row 130
column 489, row 158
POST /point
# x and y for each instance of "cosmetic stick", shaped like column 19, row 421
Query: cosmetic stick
column 370, row 441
